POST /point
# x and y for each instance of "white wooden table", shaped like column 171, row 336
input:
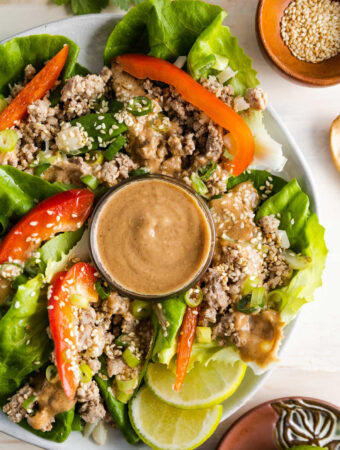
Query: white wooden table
column 311, row 363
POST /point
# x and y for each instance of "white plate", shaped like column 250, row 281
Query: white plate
column 90, row 33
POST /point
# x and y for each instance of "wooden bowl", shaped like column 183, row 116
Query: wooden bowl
column 269, row 15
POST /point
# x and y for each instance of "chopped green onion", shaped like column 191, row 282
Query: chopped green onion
column 8, row 140
column 193, row 296
column 126, row 386
column 198, row 184
column 3, row 104
column 297, row 262
column 4, row 224
column 94, row 157
column 258, row 296
column 114, row 148
column 48, row 157
column 206, row 171
column 139, row 106
column 242, row 305
column 141, row 309
column 21, row 279
column 86, row 373
column 51, row 373
column 120, row 342
column 130, row 359
column 138, row 172
column 90, row 181
column 40, row 169
column 29, row 402
column 250, row 284
column 79, row 300
column 123, row 396
column 203, row 335
column 160, row 123
column 114, row 105
column 103, row 293
column 277, row 299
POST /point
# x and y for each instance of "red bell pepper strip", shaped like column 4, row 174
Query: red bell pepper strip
column 186, row 340
column 143, row 66
column 66, row 211
column 80, row 279
column 34, row 90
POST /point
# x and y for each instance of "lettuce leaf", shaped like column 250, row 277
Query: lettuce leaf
column 162, row 28
column 25, row 321
column 17, row 53
column 306, row 236
column 205, row 353
column 171, row 313
column 20, row 191
column 62, row 427
column 304, row 231
column 216, row 42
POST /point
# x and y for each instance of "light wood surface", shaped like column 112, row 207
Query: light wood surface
column 311, row 363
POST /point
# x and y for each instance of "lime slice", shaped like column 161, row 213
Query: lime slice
column 204, row 386
column 164, row 427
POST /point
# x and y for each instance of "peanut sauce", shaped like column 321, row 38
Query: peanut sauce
column 152, row 237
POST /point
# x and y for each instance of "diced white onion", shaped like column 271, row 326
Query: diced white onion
column 180, row 61
column 297, row 262
column 99, row 434
column 283, row 237
column 226, row 75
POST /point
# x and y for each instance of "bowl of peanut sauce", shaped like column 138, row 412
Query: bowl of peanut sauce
column 152, row 237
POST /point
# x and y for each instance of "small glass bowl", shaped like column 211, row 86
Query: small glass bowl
column 95, row 254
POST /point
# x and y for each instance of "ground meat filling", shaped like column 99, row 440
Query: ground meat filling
column 244, row 250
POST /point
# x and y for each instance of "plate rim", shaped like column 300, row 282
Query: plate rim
column 35, row 440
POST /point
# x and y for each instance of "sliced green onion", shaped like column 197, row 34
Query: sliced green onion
column 79, row 300
column 277, row 300
column 21, row 279
column 94, row 157
column 4, row 224
column 114, row 148
column 123, row 396
column 48, row 157
column 203, row 335
column 258, row 296
column 8, row 140
column 130, row 359
column 103, row 293
column 90, row 181
column 139, row 106
column 160, row 123
column 193, row 296
column 297, row 262
column 138, row 172
column 198, row 184
column 3, row 104
column 250, row 284
column 141, row 309
column 126, row 386
column 51, row 373
column 29, row 402
column 115, row 106
column 86, row 373
column 120, row 341
column 242, row 305
column 40, row 169
column 206, row 171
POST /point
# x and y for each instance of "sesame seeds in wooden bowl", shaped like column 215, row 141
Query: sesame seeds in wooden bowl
column 302, row 38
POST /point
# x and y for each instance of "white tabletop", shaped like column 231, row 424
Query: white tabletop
column 310, row 365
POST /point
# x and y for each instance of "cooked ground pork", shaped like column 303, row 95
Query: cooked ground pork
column 13, row 408
column 92, row 406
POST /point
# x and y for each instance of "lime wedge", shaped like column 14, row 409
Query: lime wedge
column 164, row 427
column 204, row 385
